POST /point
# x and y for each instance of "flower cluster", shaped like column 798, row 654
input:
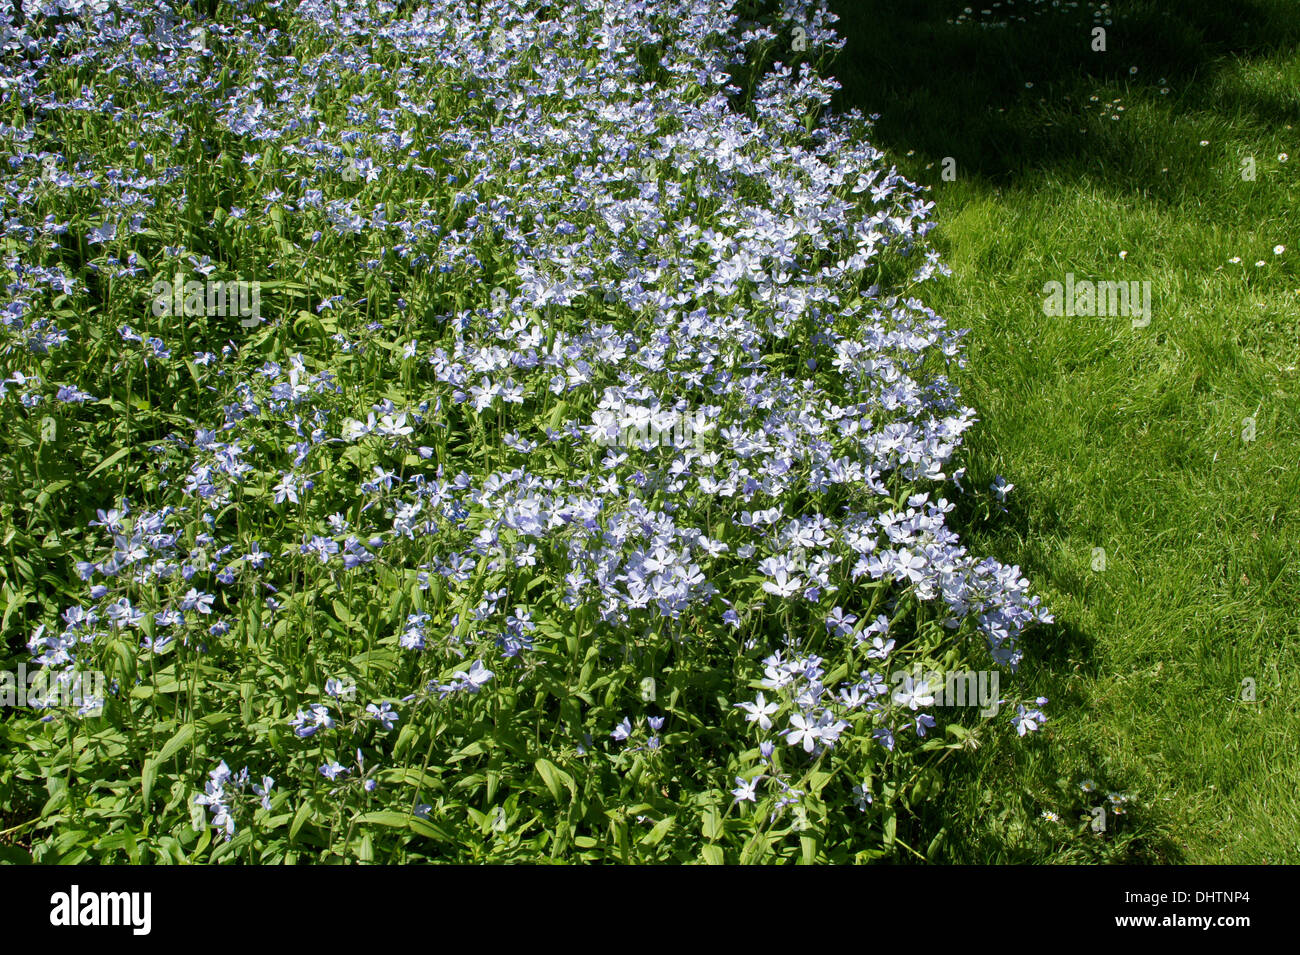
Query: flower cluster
column 508, row 234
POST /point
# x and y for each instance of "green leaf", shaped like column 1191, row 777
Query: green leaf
column 411, row 776
column 932, row 851
column 344, row 615
column 712, row 823
column 299, row 818
column 148, row 773
column 15, row 855
column 173, row 745
column 109, row 461
column 656, row 835
column 554, row 777
column 809, row 846
column 476, row 748
column 399, row 820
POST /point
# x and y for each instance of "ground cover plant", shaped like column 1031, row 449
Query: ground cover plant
column 508, row 431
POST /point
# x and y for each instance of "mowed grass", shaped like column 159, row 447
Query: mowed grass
column 1135, row 441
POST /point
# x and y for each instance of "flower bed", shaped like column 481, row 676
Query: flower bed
column 415, row 559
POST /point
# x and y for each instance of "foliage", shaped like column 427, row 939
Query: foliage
column 399, row 565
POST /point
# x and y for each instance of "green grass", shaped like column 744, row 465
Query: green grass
column 1127, row 439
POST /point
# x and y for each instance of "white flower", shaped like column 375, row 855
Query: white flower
column 635, row 416
column 392, row 427
column 286, row 489
column 909, row 565
column 760, row 710
column 803, row 730
column 785, row 585
column 477, row 677
column 623, row 730
column 913, row 695
column 880, row 649
column 354, row 429
column 745, row 788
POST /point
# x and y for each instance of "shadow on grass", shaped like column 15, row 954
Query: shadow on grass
column 1015, row 105
column 1006, row 100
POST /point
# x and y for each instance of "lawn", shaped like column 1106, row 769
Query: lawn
column 1154, row 465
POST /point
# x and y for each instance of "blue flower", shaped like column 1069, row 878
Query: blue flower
column 332, row 770
column 744, row 791
column 623, row 730
column 383, row 712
